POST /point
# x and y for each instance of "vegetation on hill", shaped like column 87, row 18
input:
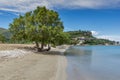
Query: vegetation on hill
column 96, row 41
column 6, row 33
column 2, row 30
column 80, row 33
column 87, row 38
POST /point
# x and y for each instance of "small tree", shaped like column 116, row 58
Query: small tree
column 41, row 25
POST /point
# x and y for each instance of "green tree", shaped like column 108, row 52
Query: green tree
column 41, row 26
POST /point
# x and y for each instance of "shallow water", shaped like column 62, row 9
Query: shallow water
column 93, row 63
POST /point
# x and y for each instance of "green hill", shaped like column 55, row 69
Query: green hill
column 5, row 32
column 80, row 33
column 2, row 30
column 86, row 38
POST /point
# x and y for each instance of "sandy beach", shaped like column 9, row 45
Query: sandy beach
column 34, row 66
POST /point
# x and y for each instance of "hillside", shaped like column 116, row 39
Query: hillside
column 5, row 32
column 80, row 33
column 2, row 30
column 86, row 38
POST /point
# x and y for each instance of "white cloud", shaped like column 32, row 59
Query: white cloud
column 27, row 5
column 16, row 14
column 94, row 33
column 110, row 37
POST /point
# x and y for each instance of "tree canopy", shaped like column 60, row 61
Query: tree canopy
column 41, row 25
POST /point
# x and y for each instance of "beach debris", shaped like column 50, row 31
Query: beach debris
column 14, row 53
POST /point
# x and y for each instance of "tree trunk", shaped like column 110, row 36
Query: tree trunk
column 49, row 48
column 42, row 44
column 37, row 46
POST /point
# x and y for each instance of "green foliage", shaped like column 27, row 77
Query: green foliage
column 79, row 33
column 2, row 38
column 96, row 41
column 2, row 30
column 5, row 32
column 41, row 25
column 89, row 39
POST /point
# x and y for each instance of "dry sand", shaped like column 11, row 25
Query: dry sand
column 35, row 66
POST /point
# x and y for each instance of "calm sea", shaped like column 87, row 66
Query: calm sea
column 93, row 63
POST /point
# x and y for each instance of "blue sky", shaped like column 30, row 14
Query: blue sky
column 102, row 17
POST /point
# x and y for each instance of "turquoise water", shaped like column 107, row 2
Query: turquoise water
column 93, row 63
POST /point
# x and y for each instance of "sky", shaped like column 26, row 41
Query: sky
column 101, row 17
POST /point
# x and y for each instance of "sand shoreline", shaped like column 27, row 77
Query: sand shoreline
column 35, row 67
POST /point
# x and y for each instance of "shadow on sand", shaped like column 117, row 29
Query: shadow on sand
column 51, row 53
column 32, row 49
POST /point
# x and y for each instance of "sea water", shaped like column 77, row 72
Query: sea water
column 93, row 63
